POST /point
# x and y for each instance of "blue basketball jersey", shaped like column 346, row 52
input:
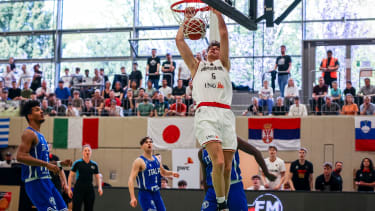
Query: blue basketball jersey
column 39, row 151
column 236, row 171
column 150, row 178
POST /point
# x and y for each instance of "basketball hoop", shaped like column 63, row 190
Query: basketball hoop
column 193, row 15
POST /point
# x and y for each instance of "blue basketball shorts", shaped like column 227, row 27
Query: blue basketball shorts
column 150, row 201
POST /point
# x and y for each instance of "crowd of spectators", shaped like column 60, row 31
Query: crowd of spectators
column 79, row 94
column 300, row 176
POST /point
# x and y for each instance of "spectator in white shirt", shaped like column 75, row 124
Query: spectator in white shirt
column 256, row 183
column 277, row 167
column 25, row 76
column 165, row 89
column 297, row 109
column 265, row 96
column 7, row 163
column 43, row 91
column 67, row 78
column 290, row 92
column 184, row 73
column 8, row 76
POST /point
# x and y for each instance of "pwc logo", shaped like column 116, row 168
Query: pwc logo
column 266, row 202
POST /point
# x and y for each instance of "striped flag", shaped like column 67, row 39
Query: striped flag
column 283, row 133
column 75, row 132
column 4, row 132
column 365, row 133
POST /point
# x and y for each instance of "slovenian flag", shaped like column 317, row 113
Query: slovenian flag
column 365, row 133
column 281, row 132
column 75, row 132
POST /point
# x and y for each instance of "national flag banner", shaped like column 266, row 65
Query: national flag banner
column 75, row 132
column 365, row 133
column 186, row 163
column 284, row 133
column 172, row 133
column 4, row 132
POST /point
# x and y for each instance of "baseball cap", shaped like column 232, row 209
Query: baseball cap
column 304, row 149
column 272, row 146
column 327, row 164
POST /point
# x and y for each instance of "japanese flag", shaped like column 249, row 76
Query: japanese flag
column 172, row 133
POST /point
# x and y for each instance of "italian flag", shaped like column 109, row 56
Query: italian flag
column 75, row 132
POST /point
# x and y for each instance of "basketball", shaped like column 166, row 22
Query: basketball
column 194, row 28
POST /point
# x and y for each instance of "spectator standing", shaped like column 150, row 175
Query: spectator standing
column 107, row 90
column 97, row 79
column 265, row 96
column 166, row 90
column 25, row 76
column 279, row 109
column 290, row 92
column 168, row 68
column 326, row 181
column 336, row 93
column 43, row 91
column 145, row 108
column 297, row 109
column 330, row 108
column 152, row 68
column 128, row 104
column 67, row 78
column 86, row 79
column 136, row 75
column 8, row 77
column 367, row 108
column 184, row 73
column 255, row 109
column 26, row 91
column 63, row 93
column 104, row 76
column 77, row 101
column 350, row 108
column 319, row 93
column 329, row 67
column 276, row 166
column 178, row 108
column 365, row 176
column 37, row 78
column 12, row 63
column 149, row 89
column 161, row 106
column 337, row 173
column 179, row 90
column 283, row 65
column 14, row 91
column 97, row 101
column 77, row 73
column 301, row 172
column 256, row 183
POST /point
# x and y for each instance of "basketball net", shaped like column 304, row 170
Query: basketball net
column 214, row 28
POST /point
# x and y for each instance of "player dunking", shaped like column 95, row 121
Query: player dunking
column 33, row 152
column 148, row 171
column 214, row 121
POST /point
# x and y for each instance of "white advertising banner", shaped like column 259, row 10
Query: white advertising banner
column 186, row 163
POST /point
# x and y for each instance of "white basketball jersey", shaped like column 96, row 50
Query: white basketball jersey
column 212, row 83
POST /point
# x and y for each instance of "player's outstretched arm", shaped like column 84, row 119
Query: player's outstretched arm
column 137, row 165
column 224, row 40
column 203, row 167
column 166, row 173
column 185, row 52
column 250, row 149
column 23, row 152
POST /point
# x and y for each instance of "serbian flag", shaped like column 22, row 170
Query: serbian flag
column 365, row 133
column 279, row 132
column 75, row 132
column 172, row 133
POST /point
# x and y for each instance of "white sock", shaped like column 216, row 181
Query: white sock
column 220, row 199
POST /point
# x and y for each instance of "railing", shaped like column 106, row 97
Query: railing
column 313, row 75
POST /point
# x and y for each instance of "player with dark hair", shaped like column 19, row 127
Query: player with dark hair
column 33, row 152
column 148, row 171
column 84, row 169
column 236, row 198
column 214, row 121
